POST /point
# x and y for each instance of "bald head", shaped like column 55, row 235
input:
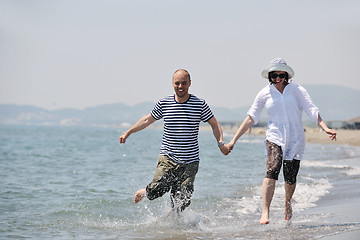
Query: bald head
column 182, row 73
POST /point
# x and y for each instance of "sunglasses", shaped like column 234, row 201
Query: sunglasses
column 274, row 75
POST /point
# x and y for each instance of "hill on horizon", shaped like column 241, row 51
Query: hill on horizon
column 335, row 103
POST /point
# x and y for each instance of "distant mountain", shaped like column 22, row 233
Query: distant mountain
column 223, row 114
column 103, row 115
column 334, row 102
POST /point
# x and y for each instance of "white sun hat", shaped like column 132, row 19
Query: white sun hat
column 277, row 64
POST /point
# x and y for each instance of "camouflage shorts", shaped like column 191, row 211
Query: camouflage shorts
column 174, row 177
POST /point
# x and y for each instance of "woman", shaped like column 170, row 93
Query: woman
column 284, row 101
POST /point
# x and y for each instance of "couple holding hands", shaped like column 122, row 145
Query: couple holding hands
column 182, row 113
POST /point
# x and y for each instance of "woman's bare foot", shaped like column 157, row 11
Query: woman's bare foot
column 265, row 218
column 288, row 211
column 139, row 195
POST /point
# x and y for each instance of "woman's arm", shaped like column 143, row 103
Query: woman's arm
column 331, row 132
column 245, row 125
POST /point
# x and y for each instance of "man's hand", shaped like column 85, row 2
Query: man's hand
column 122, row 138
column 224, row 149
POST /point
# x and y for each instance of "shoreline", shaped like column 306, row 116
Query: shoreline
column 312, row 135
column 344, row 136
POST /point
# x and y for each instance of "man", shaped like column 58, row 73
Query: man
column 179, row 153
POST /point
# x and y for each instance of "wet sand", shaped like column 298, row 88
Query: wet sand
column 342, row 206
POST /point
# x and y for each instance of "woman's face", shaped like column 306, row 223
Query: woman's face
column 278, row 77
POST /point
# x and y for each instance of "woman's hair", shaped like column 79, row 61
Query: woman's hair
column 286, row 78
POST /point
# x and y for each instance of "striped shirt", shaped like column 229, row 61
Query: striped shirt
column 181, row 126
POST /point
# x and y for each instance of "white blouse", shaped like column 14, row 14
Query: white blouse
column 285, row 127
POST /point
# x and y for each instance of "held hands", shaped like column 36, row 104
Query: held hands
column 230, row 145
column 226, row 148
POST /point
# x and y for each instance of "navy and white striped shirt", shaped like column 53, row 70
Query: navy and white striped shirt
column 181, row 126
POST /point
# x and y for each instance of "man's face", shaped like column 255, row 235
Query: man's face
column 181, row 84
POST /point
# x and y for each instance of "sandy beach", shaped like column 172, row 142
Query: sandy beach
column 314, row 135
column 344, row 136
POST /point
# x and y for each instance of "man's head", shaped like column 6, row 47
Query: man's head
column 181, row 82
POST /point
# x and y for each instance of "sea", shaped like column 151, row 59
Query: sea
column 71, row 182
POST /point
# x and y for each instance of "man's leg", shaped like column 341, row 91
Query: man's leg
column 183, row 187
column 161, row 181
column 268, row 188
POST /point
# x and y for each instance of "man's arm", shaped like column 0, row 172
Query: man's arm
column 140, row 125
column 217, row 131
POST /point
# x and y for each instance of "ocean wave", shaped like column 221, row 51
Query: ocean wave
column 349, row 167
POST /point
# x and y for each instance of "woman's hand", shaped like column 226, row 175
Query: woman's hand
column 331, row 133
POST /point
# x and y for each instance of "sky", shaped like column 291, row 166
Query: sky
column 59, row 54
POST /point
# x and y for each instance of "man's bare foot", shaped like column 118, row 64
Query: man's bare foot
column 139, row 195
column 288, row 211
column 264, row 218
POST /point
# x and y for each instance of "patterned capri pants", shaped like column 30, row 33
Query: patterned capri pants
column 274, row 162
